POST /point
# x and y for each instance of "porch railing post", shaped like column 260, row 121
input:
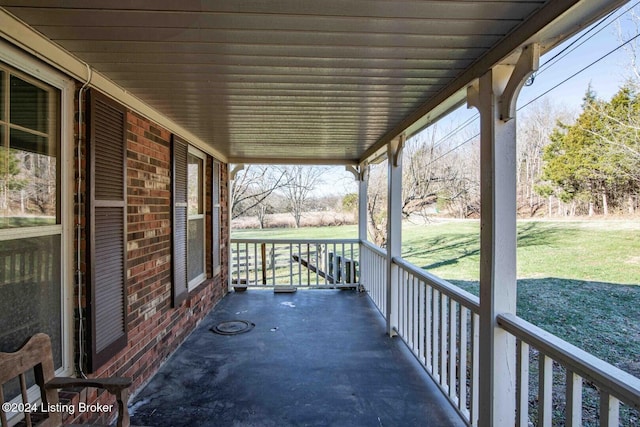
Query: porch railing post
column 394, row 229
column 363, row 185
column 494, row 96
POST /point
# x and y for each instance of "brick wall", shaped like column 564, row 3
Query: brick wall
column 155, row 328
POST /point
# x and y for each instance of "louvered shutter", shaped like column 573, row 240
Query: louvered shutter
column 106, row 215
column 179, row 152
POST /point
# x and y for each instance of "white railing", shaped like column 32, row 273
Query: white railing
column 294, row 262
column 563, row 370
column 373, row 273
column 439, row 322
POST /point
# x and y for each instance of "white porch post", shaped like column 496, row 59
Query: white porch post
column 495, row 96
column 394, row 229
column 363, row 185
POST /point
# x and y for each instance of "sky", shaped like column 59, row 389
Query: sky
column 605, row 76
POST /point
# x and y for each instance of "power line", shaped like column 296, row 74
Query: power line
column 568, row 49
column 580, row 71
column 467, row 122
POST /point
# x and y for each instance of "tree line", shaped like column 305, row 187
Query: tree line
column 568, row 164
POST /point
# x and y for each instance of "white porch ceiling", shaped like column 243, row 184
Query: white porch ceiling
column 325, row 81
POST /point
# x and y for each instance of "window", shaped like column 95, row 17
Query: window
column 29, row 147
column 189, row 209
column 196, row 272
column 32, row 245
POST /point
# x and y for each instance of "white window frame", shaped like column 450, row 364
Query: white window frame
column 40, row 72
column 193, row 283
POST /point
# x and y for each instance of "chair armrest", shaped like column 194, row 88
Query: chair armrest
column 118, row 386
column 112, row 384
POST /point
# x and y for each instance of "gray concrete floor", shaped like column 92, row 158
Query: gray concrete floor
column 314, row 358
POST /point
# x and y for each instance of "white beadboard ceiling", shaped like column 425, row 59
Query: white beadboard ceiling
column 295, row 80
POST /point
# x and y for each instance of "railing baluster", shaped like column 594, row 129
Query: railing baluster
column 545, row 383
column 343, row 266
column 475, row 370
column 272, row 255
column 429, row 329
column 290, row 264
column 463, row 346
column 422, row 290
column 436, row 328
column 415, row 302
column 573, row 399
column 609, row 410
column 452, row 351
column 238, row 263
column 255, row 263
column 443, row 341
column 522, row 384
column 300, row 266
column 404, row 285
column 318, row 249
column 245, row 279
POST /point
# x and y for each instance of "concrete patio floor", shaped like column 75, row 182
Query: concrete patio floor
column 314, row 358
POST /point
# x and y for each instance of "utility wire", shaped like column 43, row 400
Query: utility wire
column 580, row 71
column 537, row 97
column 572, row 46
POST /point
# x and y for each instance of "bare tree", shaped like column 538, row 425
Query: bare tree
column 377, row 204
column 535, row 125
column 418, row 175
column 633, row 46
column 301, row 181
column 252, row 187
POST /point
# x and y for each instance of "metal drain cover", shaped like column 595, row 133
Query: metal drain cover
column 233, row 327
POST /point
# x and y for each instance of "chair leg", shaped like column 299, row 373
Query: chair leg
column 122, row 397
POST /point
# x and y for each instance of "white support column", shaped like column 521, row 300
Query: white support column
column 497, row 382
column 363, row 185
column 394, row 229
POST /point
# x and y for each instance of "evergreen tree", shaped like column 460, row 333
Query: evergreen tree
column 597, row 158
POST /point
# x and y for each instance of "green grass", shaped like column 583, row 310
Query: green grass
column 32, row 221
column 604, row 251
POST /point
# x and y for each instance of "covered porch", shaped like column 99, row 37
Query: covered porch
column 333, row 83
column 313, row 358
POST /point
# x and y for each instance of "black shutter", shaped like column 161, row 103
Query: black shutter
column 106, row 216
column 179, row 152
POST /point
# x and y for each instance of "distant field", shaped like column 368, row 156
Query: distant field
column 603, row 251
column 577, row 279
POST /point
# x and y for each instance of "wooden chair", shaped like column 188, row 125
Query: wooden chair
column 36, row 355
